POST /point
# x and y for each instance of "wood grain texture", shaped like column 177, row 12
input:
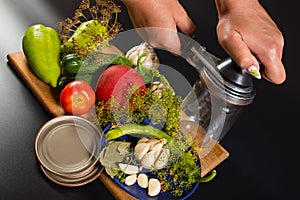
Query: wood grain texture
column 44, row 92
column 49, row 99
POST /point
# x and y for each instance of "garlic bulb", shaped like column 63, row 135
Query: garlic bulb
column 144, row 54
column 151, row 153
column 157, row 87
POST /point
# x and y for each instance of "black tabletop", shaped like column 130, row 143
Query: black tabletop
column 262, row 143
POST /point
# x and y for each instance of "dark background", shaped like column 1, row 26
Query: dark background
column 263, row 146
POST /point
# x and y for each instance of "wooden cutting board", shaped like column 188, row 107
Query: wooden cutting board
column 49, row 99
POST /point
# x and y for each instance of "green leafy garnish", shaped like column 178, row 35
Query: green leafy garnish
column 182, row 171
column 162, row 108
column 94, row 23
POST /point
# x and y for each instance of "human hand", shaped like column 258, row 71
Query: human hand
column 160, row 20
column 247, row 33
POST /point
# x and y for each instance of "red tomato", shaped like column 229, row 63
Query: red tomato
column 77, row 97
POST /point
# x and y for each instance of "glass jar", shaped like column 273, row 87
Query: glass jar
column 217, row 98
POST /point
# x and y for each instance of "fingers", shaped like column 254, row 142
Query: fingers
column 158, row 22
column 274, row 70
column 168, row 38
column 239, row 51
column 185, row 24
column 268, row 52
column 163, row 38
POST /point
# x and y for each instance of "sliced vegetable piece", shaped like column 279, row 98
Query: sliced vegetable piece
column 212, row 174
column 137, row 130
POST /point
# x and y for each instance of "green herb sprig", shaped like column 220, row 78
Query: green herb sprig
column 105, row 12
column 182, row 171
column 162, row 108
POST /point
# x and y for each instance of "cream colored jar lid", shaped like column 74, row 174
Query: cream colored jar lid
column 68, row 147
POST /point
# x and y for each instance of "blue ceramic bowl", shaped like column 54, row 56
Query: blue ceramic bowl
column 141, row 193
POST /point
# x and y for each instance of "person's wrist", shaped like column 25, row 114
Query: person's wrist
column 224, row 6
column 135, row 3
column 130, row 1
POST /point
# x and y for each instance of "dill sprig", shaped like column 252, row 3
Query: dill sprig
column 104, row 11
column 182, row 171
column 161, row 108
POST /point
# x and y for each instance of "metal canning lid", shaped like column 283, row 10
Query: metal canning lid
column 73, row 182
column 68, row 146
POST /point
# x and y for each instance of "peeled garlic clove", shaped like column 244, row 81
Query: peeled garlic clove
column 128, row 169
column 154, row 187
column 162, row 160
column 131, row 179
column 148, row 160
column 140, row 150
column 157, row 149
column 152, row 142
column 143, row 140
column 142, row 180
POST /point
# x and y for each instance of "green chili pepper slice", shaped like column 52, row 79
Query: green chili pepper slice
column 212, row 174
column 138, row 131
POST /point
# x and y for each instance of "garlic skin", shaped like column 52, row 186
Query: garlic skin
column 150, row 60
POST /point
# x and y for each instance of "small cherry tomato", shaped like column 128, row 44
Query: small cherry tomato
column 77, row 97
